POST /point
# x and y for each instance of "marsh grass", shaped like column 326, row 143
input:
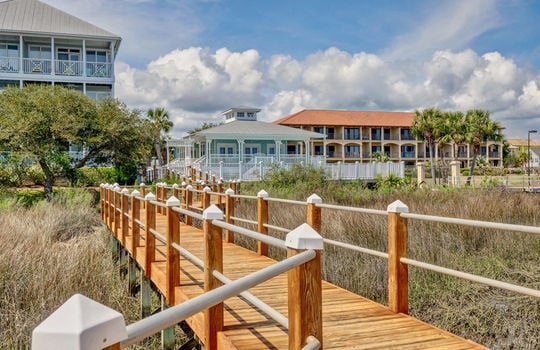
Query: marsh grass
column 495, row 318
column 50, row 251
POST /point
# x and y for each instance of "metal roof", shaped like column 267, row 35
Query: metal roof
column 256, row 130
column 36, row 17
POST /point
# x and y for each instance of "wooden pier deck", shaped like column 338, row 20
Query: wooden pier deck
column 349, row 320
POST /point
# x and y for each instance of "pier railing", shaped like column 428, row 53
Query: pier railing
column 211, row 205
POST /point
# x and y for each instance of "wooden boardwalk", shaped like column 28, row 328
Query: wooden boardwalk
column 349, row 321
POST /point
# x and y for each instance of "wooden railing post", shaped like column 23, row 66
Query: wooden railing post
column 124, row 216
column 175, row 191
column 110, row 196
column 398, row 285
column 135, row 217
column 206, row 177
column 117, row 209
column 159, row 196
column 206, row 197
column 304, row 288
column 220, row 190
column 189, row 203
column 150, row 239
column 229, row 213
column 314, row 212
column 173, row 255
column 102, row 202
column 142, row 189
column 213, row 260
column 262, row 220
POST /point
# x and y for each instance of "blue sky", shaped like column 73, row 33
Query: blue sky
column 197, row 58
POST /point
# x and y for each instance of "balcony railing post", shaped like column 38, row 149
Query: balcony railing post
column 124, row 216
column 213, row 260
column 150, row 239
column 262, row 220
column 173, row 255
column 398, row 288
column 135, row 217
column 229, row 213
column 304, row 288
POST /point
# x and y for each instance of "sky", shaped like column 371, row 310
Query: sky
column 198, row 58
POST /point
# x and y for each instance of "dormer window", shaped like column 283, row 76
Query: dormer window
column 241, row 114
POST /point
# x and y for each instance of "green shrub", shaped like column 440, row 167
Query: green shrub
column 90, row 176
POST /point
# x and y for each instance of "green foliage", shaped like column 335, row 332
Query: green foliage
column 380, row 156
column 42, row 120
column 93, row 176
column 309, row 176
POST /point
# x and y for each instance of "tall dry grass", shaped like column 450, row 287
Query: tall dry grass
column 495, row 318
column 49, row 252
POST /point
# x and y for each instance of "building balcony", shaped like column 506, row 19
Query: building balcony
column 61, row 67
column 408, row 155
column 352, row 154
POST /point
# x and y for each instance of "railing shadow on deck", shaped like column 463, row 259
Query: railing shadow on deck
column 119, row 210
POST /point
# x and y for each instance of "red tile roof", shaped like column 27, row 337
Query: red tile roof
column 321, row 117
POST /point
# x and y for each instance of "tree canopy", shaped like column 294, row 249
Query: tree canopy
column 159, row 124
column 43, row 120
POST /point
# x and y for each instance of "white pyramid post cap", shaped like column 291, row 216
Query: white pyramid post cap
column 397, row 207
column 150, row 197
column 304, row 237
column 142, row 184
column 189, row 187
column 175, row 186
column 173, row 202
column 212, row 213
column 314, row 199
column 183, row 183
column 229, row 191
column 125, row 191
column 262, row 194
column 135, row 193
column 80, row 323
column 116, row 184
column 207, row 189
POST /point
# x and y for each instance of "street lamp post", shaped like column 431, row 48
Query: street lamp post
column 529, row 155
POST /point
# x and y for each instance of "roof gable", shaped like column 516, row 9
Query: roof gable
column 33, row 16
column 256, row 130
column 348, row 118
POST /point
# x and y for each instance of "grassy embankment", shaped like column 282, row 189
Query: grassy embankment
column 495, row 318
column 50, row 251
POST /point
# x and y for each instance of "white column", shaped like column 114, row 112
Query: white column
column 21, row 61
column 112, row 68
column 208, row 151
column 83, row 53
column 278, row 150
column 307, row 148
column 53, row 63
column 240, row 150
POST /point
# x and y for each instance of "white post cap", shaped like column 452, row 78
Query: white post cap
column 212, row 213
column 142, row 184
column 175, row 186
column 125, row 191
column 229, row 191
column 183, row 183
column 80, row 323
column 262, row 194
column 207, row 189
column 189, row 187
column 314, row 199
column 397, row 207
column 135, row 193
column 173, row 202
column 304, row 237
column 150, row 197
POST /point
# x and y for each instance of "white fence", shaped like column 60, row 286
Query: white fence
column 254, row 171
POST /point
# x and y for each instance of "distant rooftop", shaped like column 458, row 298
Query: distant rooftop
column 33, row 16
column 348, row 118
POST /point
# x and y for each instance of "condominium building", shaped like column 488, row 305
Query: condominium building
column 42, row 44
column 355, row 136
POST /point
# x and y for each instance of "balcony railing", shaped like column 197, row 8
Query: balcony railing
column 61, row 67
column 352, row 154
column 405, row 154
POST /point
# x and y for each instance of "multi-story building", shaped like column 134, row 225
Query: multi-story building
column 355, row 136
column 42, row 44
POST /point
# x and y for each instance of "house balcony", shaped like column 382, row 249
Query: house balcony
column 407, row 154
column 33, row 66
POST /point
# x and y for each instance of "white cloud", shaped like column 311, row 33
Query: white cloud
column 196, row 84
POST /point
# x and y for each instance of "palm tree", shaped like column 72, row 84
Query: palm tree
column 426, row 126
column 160, row 124
column 479, row 128
column 452, row 130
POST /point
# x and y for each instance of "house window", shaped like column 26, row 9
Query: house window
column 39, row 52
column 9, row 50
column 352, row 151
column 330, row 133
column 318, row 149
column 406, row 134
column 9, row 57
column 330, row 151
column 250, row 115
column 319, row 129
column 376, row 134
column 96, row 56
column 352, row 134
column 271, row 150
column 65, row 54
column 240, row 114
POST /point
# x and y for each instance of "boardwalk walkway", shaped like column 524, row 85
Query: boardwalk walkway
column 349, row 320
